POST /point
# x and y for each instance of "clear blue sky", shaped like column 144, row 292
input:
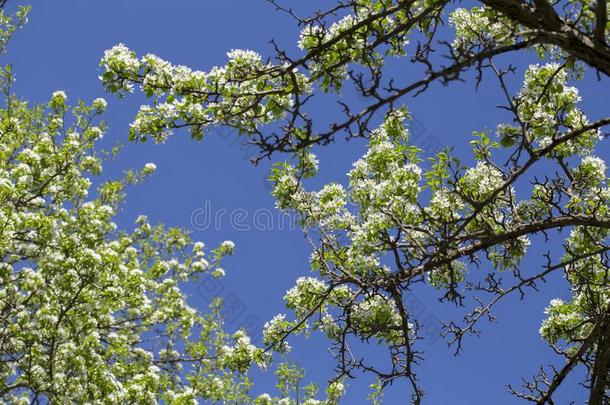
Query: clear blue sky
column 60, row 49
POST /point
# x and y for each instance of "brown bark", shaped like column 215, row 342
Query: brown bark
column 544, row 21
column 601, row 369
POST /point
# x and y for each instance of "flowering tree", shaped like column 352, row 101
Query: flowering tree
column 93, row 314
column 415, row 226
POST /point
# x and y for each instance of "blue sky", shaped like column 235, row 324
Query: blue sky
column 60, row 49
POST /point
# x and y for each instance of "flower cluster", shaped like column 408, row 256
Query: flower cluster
column 245, row 93
column 546, row 104
column 480, row 26
column 480, row 182
column 569, row 322
column 80, row 299
column 351, row 42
